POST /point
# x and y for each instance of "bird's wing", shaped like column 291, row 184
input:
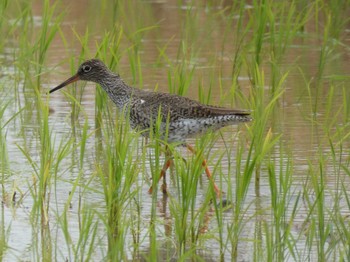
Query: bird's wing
column 174, row 107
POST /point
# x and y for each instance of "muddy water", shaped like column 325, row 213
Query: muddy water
column 165, row 22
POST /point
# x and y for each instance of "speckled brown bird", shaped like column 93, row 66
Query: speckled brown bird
column 181, row 117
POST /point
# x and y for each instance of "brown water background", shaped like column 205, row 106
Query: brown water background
column 199, row 32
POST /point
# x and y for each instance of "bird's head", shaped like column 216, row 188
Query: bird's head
column 91, row 70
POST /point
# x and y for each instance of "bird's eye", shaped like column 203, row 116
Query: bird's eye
column 86, row 68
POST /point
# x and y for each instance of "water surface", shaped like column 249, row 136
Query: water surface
column 195, row 40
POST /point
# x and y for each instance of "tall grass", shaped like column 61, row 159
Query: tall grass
column 8, row 196
column 34, row 45
column 42, row 182
column 118, row 173
column 3, row 29
column 268, row 211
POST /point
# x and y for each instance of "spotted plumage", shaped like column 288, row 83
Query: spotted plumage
column 181, row 117
column 185, row 117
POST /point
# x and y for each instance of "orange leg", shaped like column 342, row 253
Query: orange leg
column 207, row 171
column 166, row 165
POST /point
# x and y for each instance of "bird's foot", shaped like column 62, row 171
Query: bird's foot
column 163, row 188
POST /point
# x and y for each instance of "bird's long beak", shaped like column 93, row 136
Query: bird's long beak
column 65, row 83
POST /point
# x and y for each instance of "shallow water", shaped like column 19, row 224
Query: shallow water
column 303, row 135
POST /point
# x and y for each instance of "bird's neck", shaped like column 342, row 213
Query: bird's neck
column 119, row 92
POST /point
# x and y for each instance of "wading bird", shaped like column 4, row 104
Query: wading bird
column 181, row 117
